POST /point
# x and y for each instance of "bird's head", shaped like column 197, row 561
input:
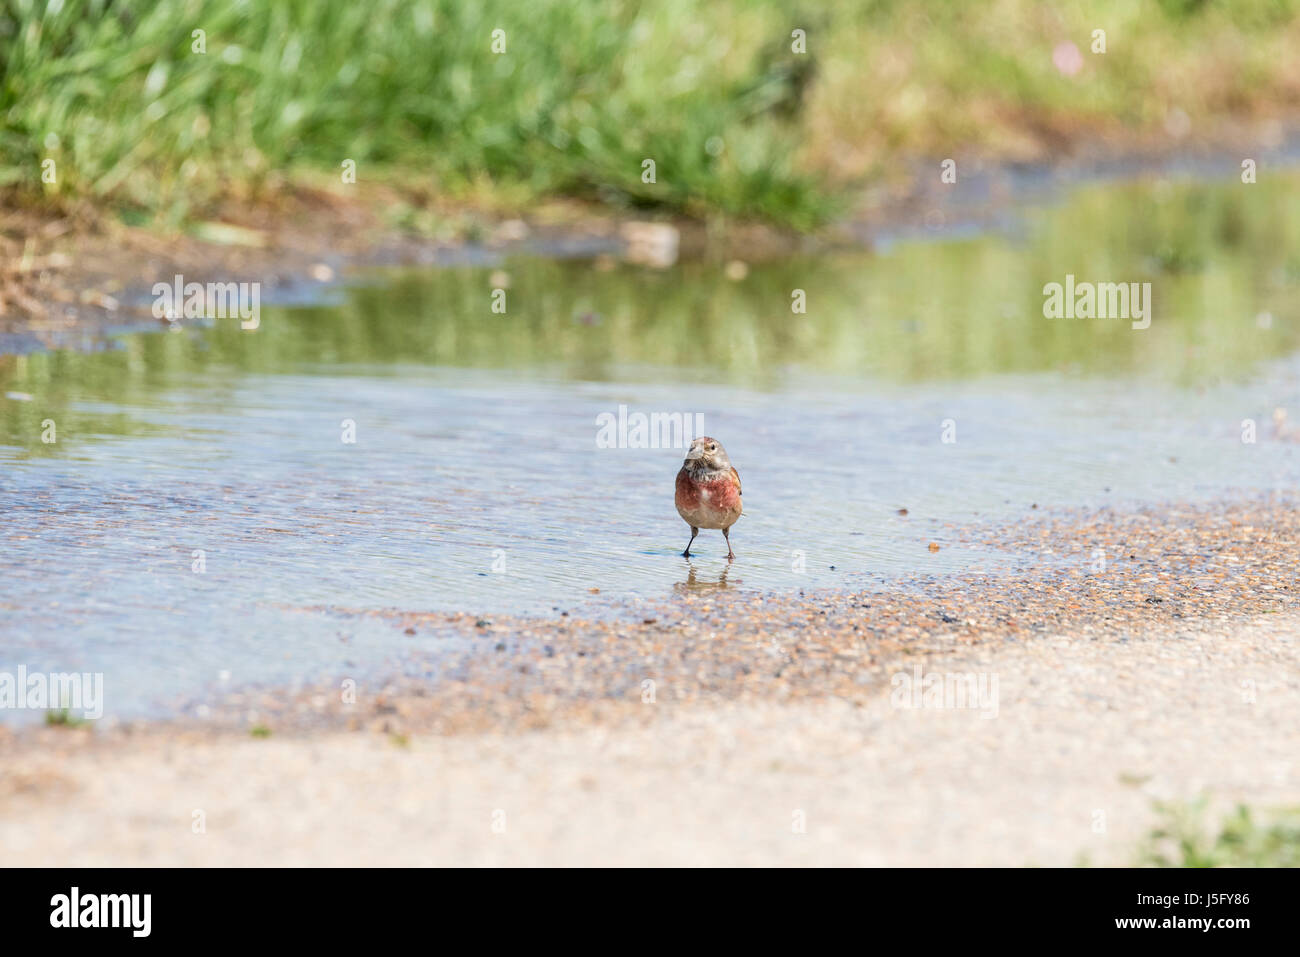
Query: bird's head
column 707, row 454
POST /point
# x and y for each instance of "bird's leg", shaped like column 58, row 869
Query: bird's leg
column 694, row 531
column 727, row 536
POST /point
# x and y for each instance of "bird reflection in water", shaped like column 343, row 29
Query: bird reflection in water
column 697, row 581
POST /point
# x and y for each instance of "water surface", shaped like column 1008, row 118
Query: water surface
column 202, row 518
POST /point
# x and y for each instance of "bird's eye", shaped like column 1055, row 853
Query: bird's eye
column 713, row 448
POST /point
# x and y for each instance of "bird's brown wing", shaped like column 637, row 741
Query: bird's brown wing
column 736, row 476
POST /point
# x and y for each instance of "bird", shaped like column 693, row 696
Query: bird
column 708, row 491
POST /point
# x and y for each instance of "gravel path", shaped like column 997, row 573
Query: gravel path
column 1088, row 731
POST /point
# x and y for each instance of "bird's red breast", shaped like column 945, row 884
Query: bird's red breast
column 711, row 502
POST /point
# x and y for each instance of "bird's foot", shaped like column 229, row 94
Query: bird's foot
column 686, row 554
column 731, row 556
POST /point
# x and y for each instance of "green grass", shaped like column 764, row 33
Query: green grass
column 116, row 95
column 63, row 718
column 1244, row 838
column 737, row 123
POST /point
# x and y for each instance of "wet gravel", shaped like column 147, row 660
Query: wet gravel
column 1098, row 576
column 770, row 735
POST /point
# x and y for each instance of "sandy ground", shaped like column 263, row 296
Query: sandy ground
column 1088, row 732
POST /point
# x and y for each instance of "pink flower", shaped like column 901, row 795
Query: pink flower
column 1067, row 58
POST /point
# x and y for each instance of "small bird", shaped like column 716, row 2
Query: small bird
column 708, row 491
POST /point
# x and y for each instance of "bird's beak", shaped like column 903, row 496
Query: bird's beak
column 693, row 455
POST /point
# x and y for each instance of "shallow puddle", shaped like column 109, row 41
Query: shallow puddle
column 209, row 490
